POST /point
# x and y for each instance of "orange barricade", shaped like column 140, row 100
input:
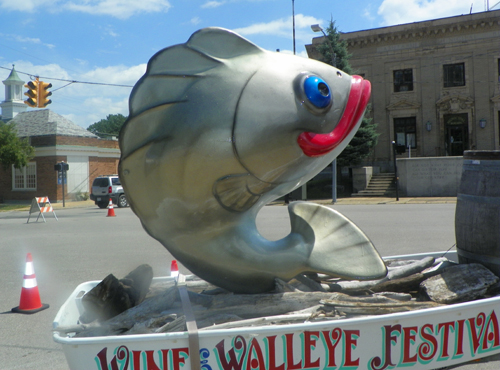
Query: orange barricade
column 41, row 205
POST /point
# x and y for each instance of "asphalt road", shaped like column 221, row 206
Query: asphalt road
column 86, row 245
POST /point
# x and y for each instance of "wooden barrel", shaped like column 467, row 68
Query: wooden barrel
column 477, row 216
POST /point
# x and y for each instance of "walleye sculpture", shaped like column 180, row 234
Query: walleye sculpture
column 219, row 127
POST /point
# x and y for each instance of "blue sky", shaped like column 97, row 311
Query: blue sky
column 110, row 41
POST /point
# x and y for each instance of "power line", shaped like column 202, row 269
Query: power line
column 65, row 80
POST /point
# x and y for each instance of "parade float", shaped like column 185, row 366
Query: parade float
column 218, row 128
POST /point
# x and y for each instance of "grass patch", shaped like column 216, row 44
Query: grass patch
column 13, row 207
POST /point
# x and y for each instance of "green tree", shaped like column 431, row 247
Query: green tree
column 366, row 137
column 13, row 150
column 108, row 127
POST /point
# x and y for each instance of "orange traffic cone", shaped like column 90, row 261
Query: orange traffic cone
column 174, row 269
column 111, row 210
column 30, row 297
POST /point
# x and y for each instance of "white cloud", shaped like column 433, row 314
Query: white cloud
column 29, row 40
column 212, row 4
column 121, row 9
column 24, row 5
column 119, row 75
column 282, row 27
column 195, row 20
column 399, row 12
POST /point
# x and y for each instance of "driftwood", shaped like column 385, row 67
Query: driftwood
column 193, row 284
column 406, row 284
column 300, row 300
column 146, row 310
column 373, row 305
column 204, row 307
column 273, row 320
column 398, row 273
column 412, row 283
column 254, row 305
column 459, row 283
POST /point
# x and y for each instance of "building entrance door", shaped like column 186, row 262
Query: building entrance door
column 457, row 134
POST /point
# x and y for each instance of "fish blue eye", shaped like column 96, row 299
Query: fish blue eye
column 317, row 91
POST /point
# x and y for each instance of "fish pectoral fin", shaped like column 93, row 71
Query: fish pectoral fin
column 239, row 192
column 339, row 247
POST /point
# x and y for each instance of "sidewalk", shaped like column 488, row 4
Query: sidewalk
column 381, row 200
column 340, row 201
column 406, row 200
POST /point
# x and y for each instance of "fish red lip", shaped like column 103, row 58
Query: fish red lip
column 315, row 145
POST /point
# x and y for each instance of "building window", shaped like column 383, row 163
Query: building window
column 454, row 75
column 405, row 131
column 403, row 80
column 24, row 178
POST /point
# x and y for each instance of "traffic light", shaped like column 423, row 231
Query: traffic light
column 43, row 95
column 32, row 93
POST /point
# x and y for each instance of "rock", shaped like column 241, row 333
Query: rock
column 112, row 296
column 459, row 283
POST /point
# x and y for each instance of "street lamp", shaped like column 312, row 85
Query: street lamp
column 317, row 28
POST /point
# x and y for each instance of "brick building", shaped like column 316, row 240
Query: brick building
column 435, row 84
column 57, row 139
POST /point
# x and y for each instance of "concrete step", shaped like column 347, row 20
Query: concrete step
column 380, row 185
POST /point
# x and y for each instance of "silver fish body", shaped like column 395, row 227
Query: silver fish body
column 219, row 127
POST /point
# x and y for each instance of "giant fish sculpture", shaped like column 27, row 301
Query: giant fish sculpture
column 219, row 127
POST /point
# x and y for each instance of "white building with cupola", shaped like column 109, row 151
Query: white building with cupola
column 13, row 103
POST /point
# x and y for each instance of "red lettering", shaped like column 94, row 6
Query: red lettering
column 460, row 338
column 178, row 358
column 310, row 338
column 256, row 362
column 493, row 335
column 474, row 324
column 136, row 359
column 240, row 345
column 289, row 354
column 427, row 349
column 376, row 363
column 272, row 354
column 446, row 335
column 409, row 335
column 150, row 361
column 121, row 356
column 351, row 341
column 331, row 344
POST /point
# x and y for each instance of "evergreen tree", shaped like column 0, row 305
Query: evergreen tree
column 13, row 150
column 108, row 127
column 366, row 137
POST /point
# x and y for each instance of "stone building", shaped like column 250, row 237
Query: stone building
column 435, row 84
column 55, row 139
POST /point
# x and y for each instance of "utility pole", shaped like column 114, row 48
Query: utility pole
column 293, row 20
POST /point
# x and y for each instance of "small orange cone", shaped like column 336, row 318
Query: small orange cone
column 30, row 297
column 111, row 210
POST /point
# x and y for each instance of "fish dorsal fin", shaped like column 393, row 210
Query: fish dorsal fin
column 171, row 72
column 221, row 43
column 180, row 60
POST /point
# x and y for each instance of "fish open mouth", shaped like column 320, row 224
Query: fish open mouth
column 315, row 145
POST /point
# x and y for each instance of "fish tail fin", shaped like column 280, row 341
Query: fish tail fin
column 337, row 246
